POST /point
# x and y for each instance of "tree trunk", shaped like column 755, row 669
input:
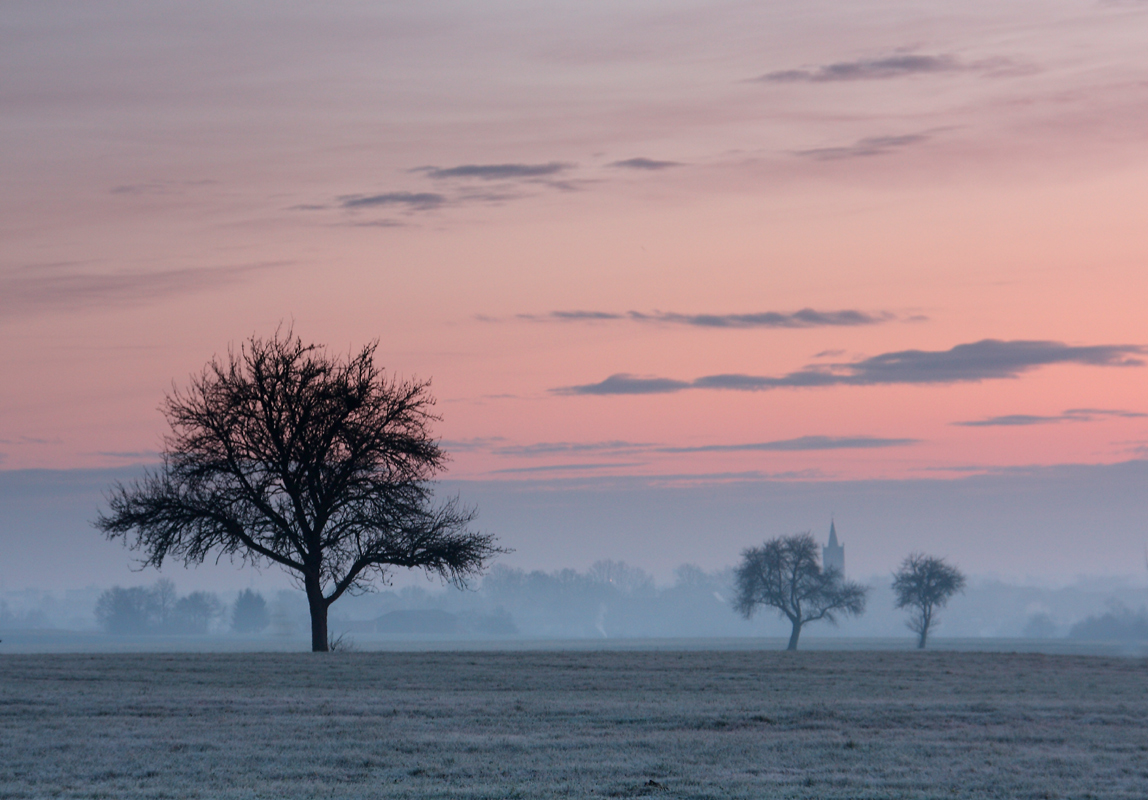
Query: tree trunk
column 926, row 620
column 318, row 604
column 793, row 636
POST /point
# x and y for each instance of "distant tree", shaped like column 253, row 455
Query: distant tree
column 284, row 454
column 621, row 576
column 250, row 614
column 924, row 584
column 194, row 613
column 785, row 574
column 163, row 602
column 1119, row 623
column 127, row 611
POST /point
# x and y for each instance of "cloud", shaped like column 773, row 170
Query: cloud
column 645, row 164
column 472, row 444
column 30, row 289
column 564, row 467
column 870, row 146
column 497, row 172
column 1070, row 415
column 419, row 201
column 894, row 66
column 576, row 316
column 1106, row 412
column 798, row 444
column 134, row 455
column 553, row 448
column 805, row 318
column 988, row 359
column 624, row 383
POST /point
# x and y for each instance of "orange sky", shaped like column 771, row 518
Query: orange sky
column 444, row 177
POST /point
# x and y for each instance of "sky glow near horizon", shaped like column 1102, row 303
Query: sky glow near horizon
column 808, row 240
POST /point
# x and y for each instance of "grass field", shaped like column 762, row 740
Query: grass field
column 829, row 724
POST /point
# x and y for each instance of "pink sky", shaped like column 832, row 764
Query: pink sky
column 445, row 176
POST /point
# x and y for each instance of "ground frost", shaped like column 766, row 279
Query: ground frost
column 573, row 724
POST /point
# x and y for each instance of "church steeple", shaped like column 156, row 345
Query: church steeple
column 833, row 554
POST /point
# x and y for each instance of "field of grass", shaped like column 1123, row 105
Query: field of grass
column 828, row 724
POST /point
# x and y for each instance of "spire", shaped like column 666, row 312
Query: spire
column 833, row 534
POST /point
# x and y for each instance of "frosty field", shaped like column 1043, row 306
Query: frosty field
column 829, row 724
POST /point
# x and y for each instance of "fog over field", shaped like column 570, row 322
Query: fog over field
column 616, row 559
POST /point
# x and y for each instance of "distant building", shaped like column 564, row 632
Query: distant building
column 833, row 554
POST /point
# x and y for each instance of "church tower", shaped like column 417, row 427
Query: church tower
column 833, row 554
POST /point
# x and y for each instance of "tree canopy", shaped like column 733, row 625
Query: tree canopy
column 323, row 465
column 785, row 573
column 924, row 584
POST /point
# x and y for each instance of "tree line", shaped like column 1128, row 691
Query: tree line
column 157, row 609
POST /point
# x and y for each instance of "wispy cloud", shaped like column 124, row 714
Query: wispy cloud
column 1070, row 415
column 497, row 172
column 648, row 164
column 477, row 443
column 894, row 66
column 31, row 440
column 38, row 288
column 418, row 201
column 798, row 444
column 625, row 383
column 569, row 448
column 805, row 318
column 862, row 148
column 566, row 467
column 574, row 316
column 988, row 359
column 131, row 455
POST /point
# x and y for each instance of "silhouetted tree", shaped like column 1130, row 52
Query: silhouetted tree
column 194, row 613
column 285, row 454
column 250, row 614
column 924, row 584
column 127, row 611
column 785, row 574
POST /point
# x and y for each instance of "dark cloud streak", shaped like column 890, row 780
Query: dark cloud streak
column 805, row 318
column 1070, row 415
column 421, row 201
column 32, row 289
column 801, row 443
column 988, row 359
column 497, row 172
column 895, row 66
column 862, row 148
column 647, row 164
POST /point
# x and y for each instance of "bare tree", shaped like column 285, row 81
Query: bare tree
column 284, row 454
column 924, row 584
column 249, row 614
column 785, row 574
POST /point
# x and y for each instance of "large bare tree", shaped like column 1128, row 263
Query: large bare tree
column 785, row 573
column 323, row 465
column 924, row 584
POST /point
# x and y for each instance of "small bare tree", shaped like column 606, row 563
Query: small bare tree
column 785, row 574
column 924, row 584
column 284, row 454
